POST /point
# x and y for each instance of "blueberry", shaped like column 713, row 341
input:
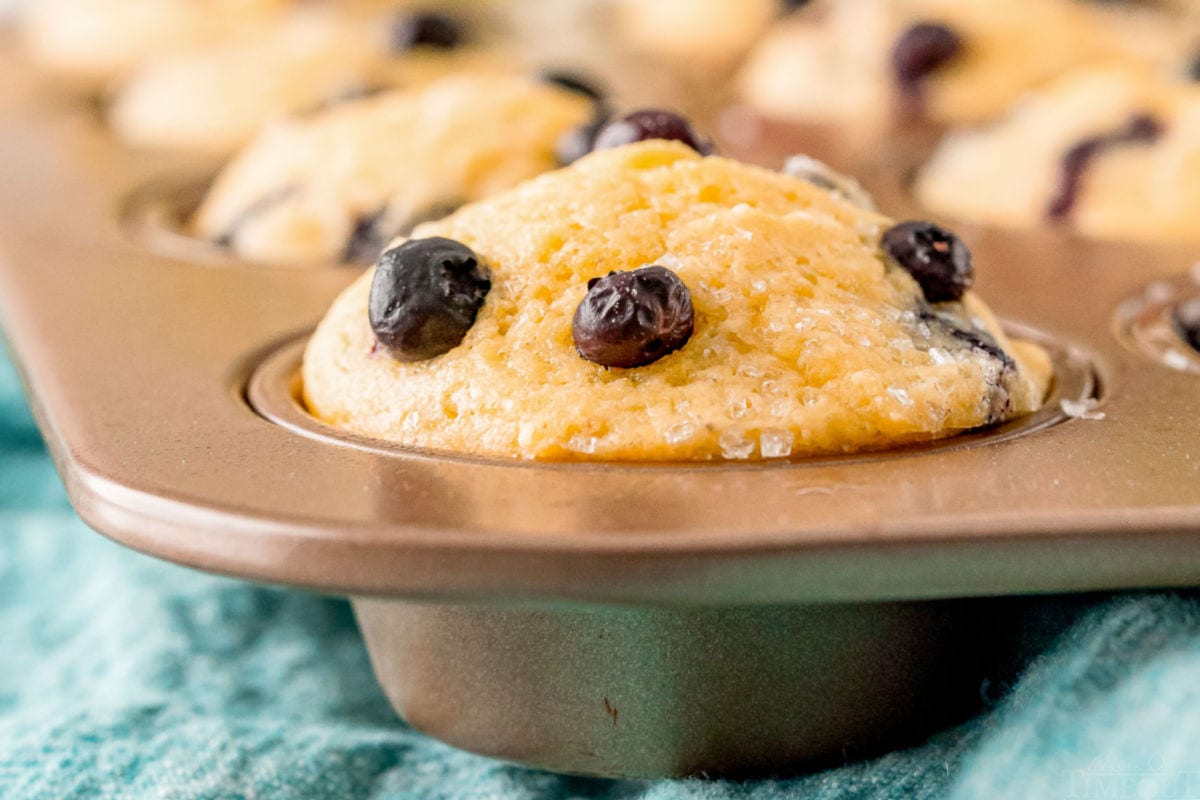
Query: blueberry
column 1187, row 321
column 425, row 296
column 921, row 50
column 426, row 29
column 936, row 258
column 630, row 319
column 650, row 124
column 573, row 82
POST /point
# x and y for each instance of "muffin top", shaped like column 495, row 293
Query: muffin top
column 951, row 61
column 340, row 183
column 1110, row 150
column 802, row 335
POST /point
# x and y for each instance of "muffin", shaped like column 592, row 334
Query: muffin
column 215, row 99
column 1110, row 151
column 949, row 61
column 340, row 183
column 650, row 303
column 94, row 42
column 696, row 32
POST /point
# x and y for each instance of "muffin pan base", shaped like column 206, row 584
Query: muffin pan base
column 643, row 691
column 599, row 618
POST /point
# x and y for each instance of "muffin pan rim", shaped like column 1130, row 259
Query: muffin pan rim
column 1143, row 322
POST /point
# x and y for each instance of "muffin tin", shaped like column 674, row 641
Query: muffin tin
column 608, row 619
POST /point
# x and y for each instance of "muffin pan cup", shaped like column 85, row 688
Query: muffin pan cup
column 611, row 619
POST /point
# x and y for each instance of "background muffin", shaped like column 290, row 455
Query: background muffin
column 695, row 33
column 1111, row 151
column 94, row 42
column 859, row 62
column 216, row 98
column 338, row 184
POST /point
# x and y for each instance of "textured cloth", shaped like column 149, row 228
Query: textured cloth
column 124, row 677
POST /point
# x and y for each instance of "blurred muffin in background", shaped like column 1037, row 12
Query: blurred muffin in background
column 584, row 36
column 91, row 43
column 702, row 33
column 1111, row 151
column 339, row 184
column 204, row 78
column 948, row 61
column 215, row 99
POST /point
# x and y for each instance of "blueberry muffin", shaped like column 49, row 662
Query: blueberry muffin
column 315, row 54
column 340, row 183
column 651, row 303
column 93, row 42
column 949, row 61
column 1110, row 151
column 699, row 32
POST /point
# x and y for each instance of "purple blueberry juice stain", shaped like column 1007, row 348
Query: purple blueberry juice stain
column 1140, row 129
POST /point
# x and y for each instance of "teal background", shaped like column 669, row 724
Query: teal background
column 124, row 677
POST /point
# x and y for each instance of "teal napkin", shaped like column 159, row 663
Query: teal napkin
column 125, row 677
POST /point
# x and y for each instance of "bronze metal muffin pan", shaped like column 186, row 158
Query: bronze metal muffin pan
column 612, row 619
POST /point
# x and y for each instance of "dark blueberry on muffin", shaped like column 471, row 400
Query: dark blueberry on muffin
column 937, row 259
column 425, row 296
column 630, row 319
column 640, row 126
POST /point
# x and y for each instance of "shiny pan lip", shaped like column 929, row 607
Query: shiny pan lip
column 138, row 364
